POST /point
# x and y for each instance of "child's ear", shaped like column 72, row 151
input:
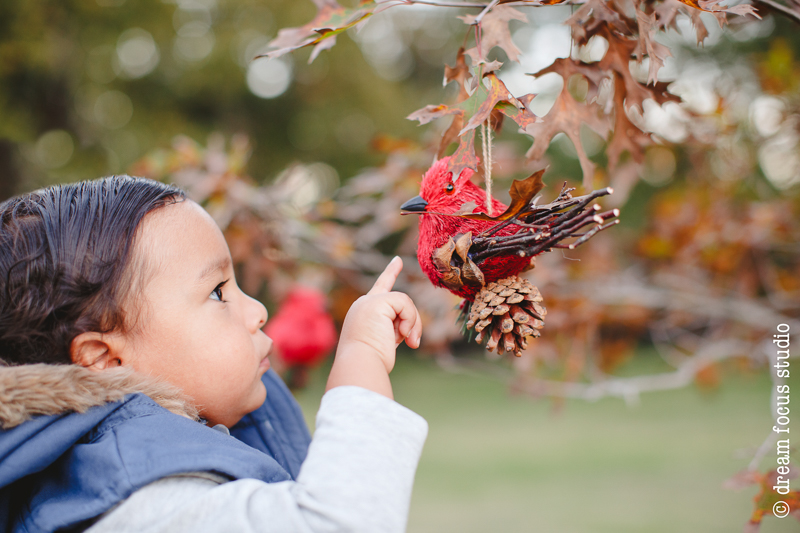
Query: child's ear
column 96, row 351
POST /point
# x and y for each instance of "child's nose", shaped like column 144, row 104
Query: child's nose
column 257, row 314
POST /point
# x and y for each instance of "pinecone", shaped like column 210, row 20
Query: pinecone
column 505, row 313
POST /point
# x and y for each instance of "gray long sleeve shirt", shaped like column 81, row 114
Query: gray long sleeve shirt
column 358, row 476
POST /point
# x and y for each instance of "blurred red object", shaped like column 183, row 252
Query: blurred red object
column 302, row 330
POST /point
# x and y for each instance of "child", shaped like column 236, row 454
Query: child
column 136, row 393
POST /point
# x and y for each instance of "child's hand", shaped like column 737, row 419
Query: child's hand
column 382, row 319
column 374, row 327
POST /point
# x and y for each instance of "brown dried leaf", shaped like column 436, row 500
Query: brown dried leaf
column 464, row 156
column 463, row 242
column 567, row 67
column 331, row 20
column 466, row 208
column 647, row 44
column 451, row 275
column 459, row 73
column 432, row 112
column 596, row 15
column 566, row 116
column 626, row 137
column 472, row 275
column 494, row 30
column 712, row 6
column 666, row 11
column 617, row 58
column 499, row 97
column 522, row 192
column 450, row 135
column 490, row 67
column 699, row 26
column 497, row 116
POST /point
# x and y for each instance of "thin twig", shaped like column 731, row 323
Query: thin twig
column 488, row 8
column 762, row 450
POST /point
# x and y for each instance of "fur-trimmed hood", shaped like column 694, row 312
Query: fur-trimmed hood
column 27, row 391
column 74, row 442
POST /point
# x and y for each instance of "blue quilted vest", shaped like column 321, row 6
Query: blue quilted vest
column 58, row 472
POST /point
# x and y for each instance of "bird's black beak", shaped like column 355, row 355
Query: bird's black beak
column 415, row 206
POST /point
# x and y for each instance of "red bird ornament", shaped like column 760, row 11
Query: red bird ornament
column 478, row 256
column 302, row 332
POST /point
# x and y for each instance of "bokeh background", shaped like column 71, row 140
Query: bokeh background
column 646, row 403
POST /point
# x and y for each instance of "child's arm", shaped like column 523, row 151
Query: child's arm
column 375, row 326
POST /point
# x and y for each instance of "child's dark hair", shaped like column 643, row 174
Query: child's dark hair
column 65, row 263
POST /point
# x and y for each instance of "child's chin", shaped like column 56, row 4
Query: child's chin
column 259, row 396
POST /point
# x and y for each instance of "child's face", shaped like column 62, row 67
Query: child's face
column 202, row 337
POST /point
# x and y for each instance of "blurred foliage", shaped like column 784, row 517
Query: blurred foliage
column 120, row 78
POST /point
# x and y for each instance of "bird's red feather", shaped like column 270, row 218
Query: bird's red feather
column 434, row 229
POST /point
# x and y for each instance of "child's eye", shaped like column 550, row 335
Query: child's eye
column 218, row 292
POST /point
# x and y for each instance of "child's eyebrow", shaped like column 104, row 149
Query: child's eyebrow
column 218, row 265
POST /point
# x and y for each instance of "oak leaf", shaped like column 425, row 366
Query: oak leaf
column 432, row 112
column 450, row 135
column 567, row 67
column 666, row 13
column 461, row 74
column 464, row 156
column 647, row 44
column 522, row 193
column 494, row 30
column 712, row 6
column 498, row 93
column 626, row 136
column 617, row 58
column 331, row 20
column 566, row 116
column 596, row 15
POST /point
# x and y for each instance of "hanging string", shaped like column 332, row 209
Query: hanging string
column 486, row 145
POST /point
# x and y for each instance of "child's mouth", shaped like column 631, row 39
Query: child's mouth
column 264, row 364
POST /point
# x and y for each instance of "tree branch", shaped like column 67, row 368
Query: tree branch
column 620, row 289
column 488, row 8
column 630, row 389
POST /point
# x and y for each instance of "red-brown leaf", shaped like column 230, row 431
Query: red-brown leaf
column 497, row 93
column 596, row 15
column 626, row 137
column 459, row 73
column 522, row 193
column 432, row 112
column 566, row 116
column 331, row 20
column 617, row 58
column 495, row 32
column 657, row 52
column 450, row 135
column 712, row 6
column 464, row 156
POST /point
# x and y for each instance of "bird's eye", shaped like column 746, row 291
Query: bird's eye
column 449, row 188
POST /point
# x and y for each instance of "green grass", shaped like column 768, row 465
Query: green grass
column 497, row 462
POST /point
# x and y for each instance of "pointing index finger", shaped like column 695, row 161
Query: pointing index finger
column 386, row 280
